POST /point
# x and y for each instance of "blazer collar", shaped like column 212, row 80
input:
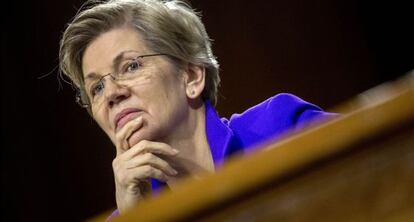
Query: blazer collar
column 218, row 134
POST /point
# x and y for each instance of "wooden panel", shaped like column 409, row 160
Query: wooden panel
column 358, row 167
column 374, row 183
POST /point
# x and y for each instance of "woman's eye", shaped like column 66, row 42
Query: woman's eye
column 97, row 89
column 132, row 66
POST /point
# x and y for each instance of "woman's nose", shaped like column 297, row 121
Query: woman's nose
column 115, row 93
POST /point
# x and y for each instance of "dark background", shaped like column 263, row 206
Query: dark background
column 56, row 162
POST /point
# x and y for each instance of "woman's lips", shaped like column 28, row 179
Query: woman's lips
column 125, row 119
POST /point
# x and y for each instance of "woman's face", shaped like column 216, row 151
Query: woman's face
column 157, row 93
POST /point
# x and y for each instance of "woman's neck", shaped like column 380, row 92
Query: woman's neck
column 194, row 159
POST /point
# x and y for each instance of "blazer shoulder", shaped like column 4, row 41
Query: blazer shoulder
column 274, row 116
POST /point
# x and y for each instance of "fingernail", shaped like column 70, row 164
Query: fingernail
column 175, row 151
column 138, row 119
column 174, row 172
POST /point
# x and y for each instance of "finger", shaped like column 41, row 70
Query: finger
column 122, row 135
column 145, row 172
column 146, row 146
column 153, row 160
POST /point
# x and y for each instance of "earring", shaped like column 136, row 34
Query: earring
column 192, row 92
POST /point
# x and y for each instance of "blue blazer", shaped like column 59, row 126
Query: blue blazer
column 246, row 131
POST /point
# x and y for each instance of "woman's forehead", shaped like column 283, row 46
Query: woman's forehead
column 110, row 46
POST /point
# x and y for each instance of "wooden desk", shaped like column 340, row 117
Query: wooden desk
column 359, row 167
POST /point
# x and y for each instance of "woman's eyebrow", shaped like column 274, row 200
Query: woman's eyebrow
column 119, row 58
column 115, row 63
column 91, row 75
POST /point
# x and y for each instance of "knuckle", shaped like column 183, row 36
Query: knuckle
column 118, row 138
column 148, row 156
column 115, row 163
column 121, row 178
column 143, row 144
column 148, row 171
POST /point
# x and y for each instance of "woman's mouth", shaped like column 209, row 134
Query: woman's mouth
column 124, row 117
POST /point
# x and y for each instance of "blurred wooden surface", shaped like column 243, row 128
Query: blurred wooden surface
column 359, row 167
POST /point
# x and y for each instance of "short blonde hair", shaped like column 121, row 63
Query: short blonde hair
column 170, row 27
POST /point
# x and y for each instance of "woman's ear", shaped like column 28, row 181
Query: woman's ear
column 194, row 80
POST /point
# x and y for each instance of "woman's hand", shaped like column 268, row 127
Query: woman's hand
column 134, row 167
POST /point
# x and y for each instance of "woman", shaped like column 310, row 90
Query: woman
column 146, row 73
